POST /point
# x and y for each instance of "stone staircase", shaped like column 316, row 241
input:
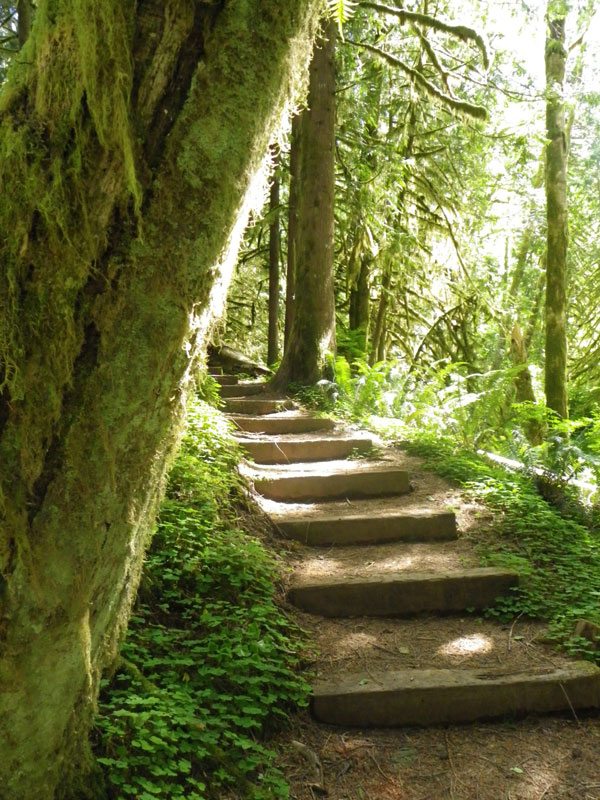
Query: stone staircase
column 374, row 551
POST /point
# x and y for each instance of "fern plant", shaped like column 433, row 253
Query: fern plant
column 341, row 10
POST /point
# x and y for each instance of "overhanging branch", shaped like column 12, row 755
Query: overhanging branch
column 459, row 106
column 462, row 32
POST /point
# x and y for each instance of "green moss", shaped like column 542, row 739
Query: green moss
column 555, row 47
column 65, row 108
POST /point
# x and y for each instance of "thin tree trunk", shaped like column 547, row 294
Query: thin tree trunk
column 556, row 202
column 274, row 251
column 101, row 328
column 292, row 243
column 382, row 343
column 360, row 301
column 536, row 312
column 312, row 338
column 379, row 329
column 534, row 429
column 523, row 381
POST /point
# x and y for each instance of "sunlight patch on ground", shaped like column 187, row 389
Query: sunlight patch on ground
column 467, row 645
column 357, row 639
column 394, row 563
column 320, row 565
column 535, row 782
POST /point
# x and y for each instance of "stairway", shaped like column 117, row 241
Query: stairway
column 387, row 560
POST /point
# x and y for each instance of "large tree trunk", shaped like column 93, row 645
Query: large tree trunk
column 556, row 200
column 292, row 232
column 312, row 337
column 107, row 292
column 274, row 250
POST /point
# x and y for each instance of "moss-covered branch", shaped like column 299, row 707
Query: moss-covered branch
column 435, row 62
column 461, row 107
column 462, row 32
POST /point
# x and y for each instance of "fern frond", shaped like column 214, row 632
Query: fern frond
column 341, row 10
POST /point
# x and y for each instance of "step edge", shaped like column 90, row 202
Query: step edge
column 420, row 679
column 424, row 576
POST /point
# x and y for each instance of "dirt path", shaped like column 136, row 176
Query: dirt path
column 535, row 758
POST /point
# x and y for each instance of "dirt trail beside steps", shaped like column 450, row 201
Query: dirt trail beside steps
column 382, row 558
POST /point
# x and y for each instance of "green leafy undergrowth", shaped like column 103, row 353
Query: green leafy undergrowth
column 557, row 557
column 208, row 666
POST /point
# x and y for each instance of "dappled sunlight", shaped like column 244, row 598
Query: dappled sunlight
column 321, row 565
column 394, row 563
column 324, row 468
column 357, row 639
column 287, row 510
column 384, row 560
column 474, row 644
column 535, row 781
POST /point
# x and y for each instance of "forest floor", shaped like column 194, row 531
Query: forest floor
column 544, row 758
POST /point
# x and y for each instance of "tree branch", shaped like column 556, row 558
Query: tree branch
column 459, row 106
column 462, row 32
column 434, row 60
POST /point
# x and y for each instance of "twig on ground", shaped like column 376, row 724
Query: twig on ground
column 315, row 763
column 564, row 691
column 512, row 627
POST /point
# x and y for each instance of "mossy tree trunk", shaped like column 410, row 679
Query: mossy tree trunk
column 556, row 203
column 378, row 339
column 360, row 302
column 312, row 336
column 274, row 254
column 132, row 133
column 292, row 231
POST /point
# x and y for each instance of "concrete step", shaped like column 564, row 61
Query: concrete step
column 446, row 696
column 325, row 531
column 279, row 450
column 288, row 422
column 396, row 595
column 243, row 389
column 215, row 371
column 324, row 483
column 226, row 380
column 243, row 405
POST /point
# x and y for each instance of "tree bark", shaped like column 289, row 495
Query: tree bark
column 379, row 329
column 556, row 204
column 24, row 18
column 116, row 250
column 518, row 352
column 292, row 233
column 534, row 429
column 360, row 302
column 312, row 336
column 274, row 252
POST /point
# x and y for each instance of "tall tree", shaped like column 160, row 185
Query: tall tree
column 312, row 336
column 290, row 275
column 556, row 210
column 131, row 136
column 274, row 254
